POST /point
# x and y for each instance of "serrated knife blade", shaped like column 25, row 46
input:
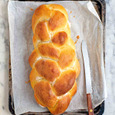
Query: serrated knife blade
column 87, row 77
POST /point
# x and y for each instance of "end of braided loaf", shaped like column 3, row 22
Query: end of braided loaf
column 53, row 60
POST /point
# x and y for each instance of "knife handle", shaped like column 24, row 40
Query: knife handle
column 89, row 104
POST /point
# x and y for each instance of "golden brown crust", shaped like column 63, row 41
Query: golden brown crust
column 44, row 92
column 57, row 21
column 53, row 61
column 61, row 105
column 42, row 12
column 58, row 7
column 33, row 77
column 48, row 50
column 38, row 101
column 47, row 69
column 35, row 39
column 60, row 38
column 41, row 31
column 73, row 89
column 34, row 55
column 67, row 56
column 65, row 82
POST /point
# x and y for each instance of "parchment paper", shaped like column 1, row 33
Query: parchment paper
column 85, row 23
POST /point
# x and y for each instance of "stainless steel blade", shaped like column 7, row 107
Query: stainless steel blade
column 86, row 67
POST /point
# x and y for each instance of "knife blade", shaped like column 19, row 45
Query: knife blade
column 87, row 77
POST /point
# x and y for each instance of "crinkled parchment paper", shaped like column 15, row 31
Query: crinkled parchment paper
column 83, row 23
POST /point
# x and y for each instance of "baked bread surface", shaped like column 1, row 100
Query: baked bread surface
column 53, row 60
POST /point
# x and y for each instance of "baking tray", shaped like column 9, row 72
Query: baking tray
column 100, row 7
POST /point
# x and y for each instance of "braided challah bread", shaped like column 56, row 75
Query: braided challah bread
column 53, row 60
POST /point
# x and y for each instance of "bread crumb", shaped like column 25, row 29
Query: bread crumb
column 74, row 16
column 31, row 9
column 70, row 12
column 78, row 37
column 76, row 41
column 27, row 81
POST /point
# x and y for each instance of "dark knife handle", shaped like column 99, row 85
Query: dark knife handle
column 89, row 104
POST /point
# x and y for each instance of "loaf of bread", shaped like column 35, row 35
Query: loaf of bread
column 53, row 60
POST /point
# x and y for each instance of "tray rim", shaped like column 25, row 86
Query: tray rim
column 83, row 111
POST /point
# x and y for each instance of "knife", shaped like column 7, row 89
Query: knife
column 87, row 77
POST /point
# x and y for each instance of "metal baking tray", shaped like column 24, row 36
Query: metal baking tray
column 100, row 7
